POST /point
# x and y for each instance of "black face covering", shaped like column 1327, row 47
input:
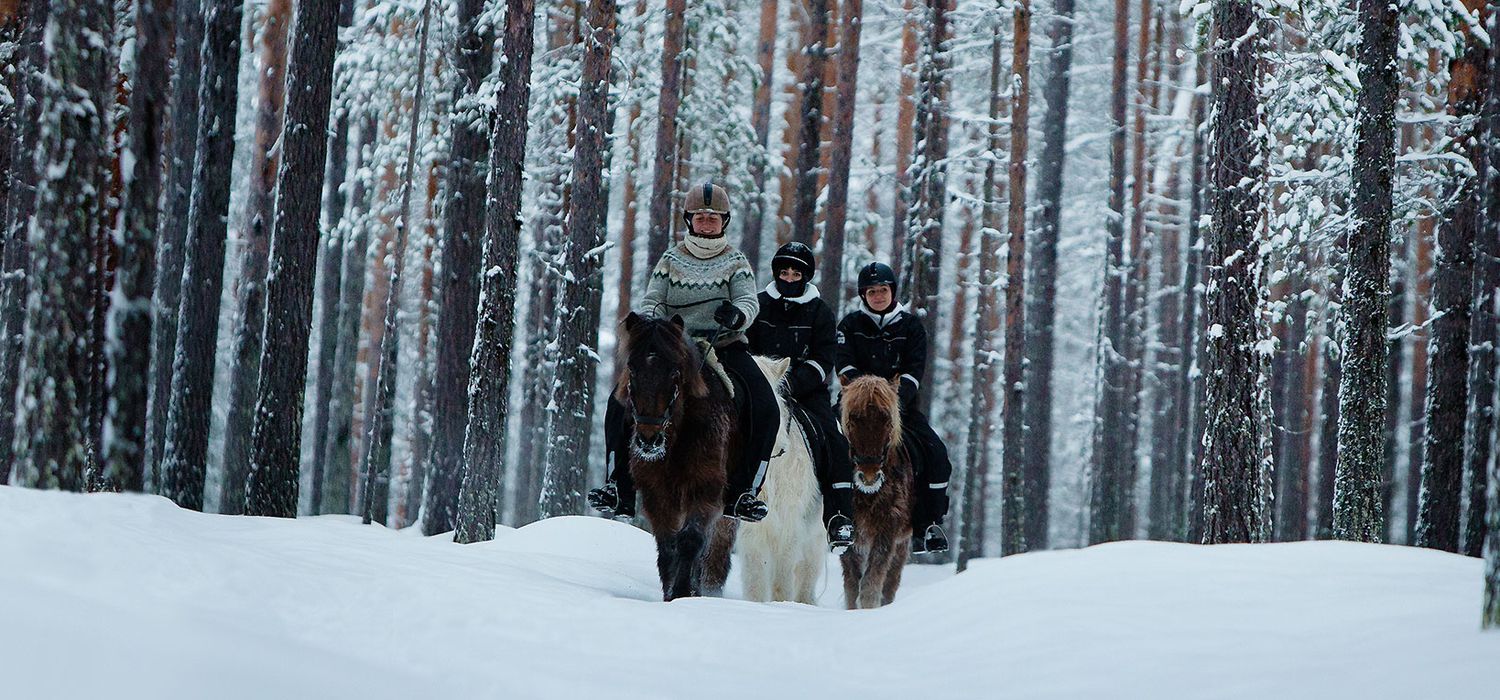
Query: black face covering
column 791, row 290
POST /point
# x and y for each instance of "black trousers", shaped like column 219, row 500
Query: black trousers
column 830, row 452
column 930, row 456
column 746, row 470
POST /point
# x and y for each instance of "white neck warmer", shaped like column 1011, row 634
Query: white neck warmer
column 703, row 247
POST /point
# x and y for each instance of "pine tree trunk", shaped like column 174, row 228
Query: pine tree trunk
column 1357, row 513
column 251, row 286
column 129, row 322
column 1012, row 460
column 19, row 202
column 1112, row 493
column 1447, row 400
column 925, row 258
column 185, row 440
column 377, row 459
column 177, row 187
column 906, row 106
column 1484, row 335
column 804, row 212
column 489, row 387
column 337, row 457
column 1189, row 407
column 1291, row 465
column 670, row 98
column 841, row 150
column 760, row 123
column 276, row 437
column 1235, row 504
column 1421, row 270
column 463, row 219
column 572, row 422
column 53, row 420
column 982, row 397
column 1040, row 339
column 1396, row 359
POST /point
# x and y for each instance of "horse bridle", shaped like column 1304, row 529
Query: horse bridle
column 877, row 460
column 666, row 416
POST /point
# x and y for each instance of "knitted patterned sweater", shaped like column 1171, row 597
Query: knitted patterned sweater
column 687, row 286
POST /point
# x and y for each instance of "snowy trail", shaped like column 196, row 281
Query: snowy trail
column 128, row 596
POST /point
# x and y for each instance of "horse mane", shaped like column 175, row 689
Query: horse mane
column 661, row 337
column 872, row 393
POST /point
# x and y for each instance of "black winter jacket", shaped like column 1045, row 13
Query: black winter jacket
column 800, row 329
column 890, row 345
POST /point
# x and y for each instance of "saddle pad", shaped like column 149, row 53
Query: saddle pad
column 711, row 359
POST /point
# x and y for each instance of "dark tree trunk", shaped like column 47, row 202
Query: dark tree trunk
column 489, row 387
column 1396, row 358
column 1041, row 315
column 1357, row 513
column 129, row 352
column 377, row 463
column 1421, row 270
column 276, row 438
column 760, row 123
column 185, row 440
column 841, row 150
column 804, row 212
column 1235, row 502
column 251, row 286
column 337, row 456
column 906, row 108
column 463, row 219
column 1112, row 493
column 19, row 202
column 925, row 258
column 330, row 279
column 177, row 190
column 572, row 422
column 1012, row 460
column 1291, row 463
column 1452, row 296
column 53, row 417
column 1328, row 456
column 1484, row 335
column 1189, row 414
column 670, row 98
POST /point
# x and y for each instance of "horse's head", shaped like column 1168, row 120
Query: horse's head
column 871, row 418
column 661, row 371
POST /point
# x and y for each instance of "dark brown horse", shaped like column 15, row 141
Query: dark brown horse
column 871, row 418
column 685, row 431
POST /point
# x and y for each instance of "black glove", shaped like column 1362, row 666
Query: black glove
column 729, row 316
column 908, row 393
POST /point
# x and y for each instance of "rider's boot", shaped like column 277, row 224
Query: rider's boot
column 840, row 531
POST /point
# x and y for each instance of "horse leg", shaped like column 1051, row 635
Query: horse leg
column 879, row 559
column 893, row 574
column 687, row 548
column 666, row 563
column 854, row 564
column 716, row 560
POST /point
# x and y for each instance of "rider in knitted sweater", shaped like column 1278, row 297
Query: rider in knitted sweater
column 710, row 285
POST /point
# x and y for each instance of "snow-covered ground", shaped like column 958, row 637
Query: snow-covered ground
column 127, row 596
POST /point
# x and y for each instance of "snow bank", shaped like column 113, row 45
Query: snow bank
column 129, row 597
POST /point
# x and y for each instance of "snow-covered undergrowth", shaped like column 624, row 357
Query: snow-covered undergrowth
column 129, row 597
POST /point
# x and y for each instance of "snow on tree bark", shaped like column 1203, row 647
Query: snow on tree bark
column 668, row 101
column 276, row 437
column 1012, row 460
column 1447, row 398
column 1357, row 513
column 256, row 252
column 1042, row 311
column 804, row 211
column 177, row 190
column 1112, row 493
column 489, row 381
column 841, row 150
column 185, row 436
column 572, row 421
column 463, row 219
column 19, row 202
column 129, row 334
column 924, row 259
column 53, row 417
column 379, row 431
column 1235, row 506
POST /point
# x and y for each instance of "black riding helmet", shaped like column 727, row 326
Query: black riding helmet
column 876, row 274
column 798, row 257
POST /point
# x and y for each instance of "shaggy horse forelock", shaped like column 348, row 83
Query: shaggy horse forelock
column 661, row 337
column 870, row 395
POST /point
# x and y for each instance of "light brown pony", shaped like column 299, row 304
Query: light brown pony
column 870, row 409
column 685, row 430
